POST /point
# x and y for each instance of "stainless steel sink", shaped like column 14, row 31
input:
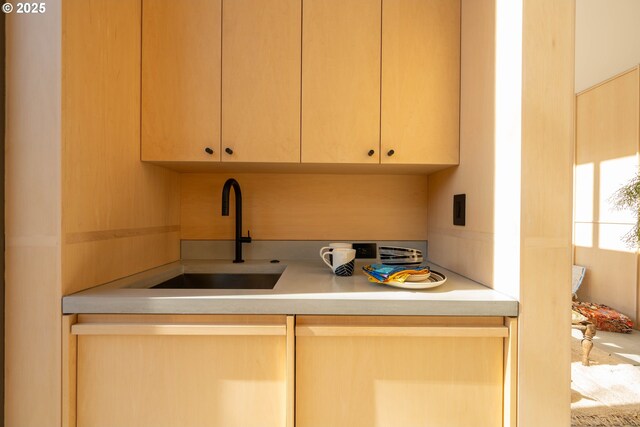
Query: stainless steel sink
column 221, row 281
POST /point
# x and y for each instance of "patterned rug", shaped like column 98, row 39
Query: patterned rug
column 611, row 420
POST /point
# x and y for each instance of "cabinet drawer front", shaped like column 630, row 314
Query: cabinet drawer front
column 168, row 381
column 399, row 381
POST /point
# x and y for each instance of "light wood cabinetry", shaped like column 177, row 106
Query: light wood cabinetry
column 365, row 371
column 261, row 81
column 333, row 82
column 196, row 370
column 420, row 82
column 341, row 81
column 181, row 371
column 181, row 54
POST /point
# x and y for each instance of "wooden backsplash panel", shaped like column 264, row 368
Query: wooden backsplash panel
column 307, row 207
column 119, row 216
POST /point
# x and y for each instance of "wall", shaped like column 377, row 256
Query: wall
column 80, row 207
column 475, row 175
column 607, row 39
column 607, row 138
column 517, row 117
column 32, row 215
column 544, row 323
column 308, row 207
column 119, row 216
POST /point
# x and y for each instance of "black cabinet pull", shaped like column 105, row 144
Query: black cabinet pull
column 209, row 150
column 390, row 153
column 371, row 153
column 228, row 150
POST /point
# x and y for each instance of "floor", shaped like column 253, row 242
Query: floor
column 607, row 393
column 623, row 346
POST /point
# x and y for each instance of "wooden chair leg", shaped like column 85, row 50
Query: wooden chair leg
column 587, row 344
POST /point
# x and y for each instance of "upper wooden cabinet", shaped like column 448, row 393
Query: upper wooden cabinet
column 341, row 81
column 261, row 80
column 271, row 81
column 181, row 80
column 420, row 81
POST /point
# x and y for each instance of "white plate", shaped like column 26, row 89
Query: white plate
column 435, row 279
column 418, row 277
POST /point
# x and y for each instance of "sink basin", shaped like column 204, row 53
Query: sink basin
column 221, row 281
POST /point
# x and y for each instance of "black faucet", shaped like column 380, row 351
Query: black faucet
column 225, row 212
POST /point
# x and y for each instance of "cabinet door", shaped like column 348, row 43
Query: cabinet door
column 181, row 80
column 420, row 81
column 341, row 81
column 397, row 372
column 193, row 373
column 261, row 80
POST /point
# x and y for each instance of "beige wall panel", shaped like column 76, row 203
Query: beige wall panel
column 92, row 263
column 261, row 80
column 463, row 251
column 308, row 207
column 32, row 336
column 607, row 140
column 607, row 120
column 157, row 381
column 546, row 206
column 341, row 81
column 420, row 81
column 393, row 381
column 105, row 186
column 607, row 39
column 32, row 376
column 181, row 79
column 475, row 175
column 610, row 279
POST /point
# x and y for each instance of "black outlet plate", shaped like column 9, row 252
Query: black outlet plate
column 459, row 207
column 366, row 250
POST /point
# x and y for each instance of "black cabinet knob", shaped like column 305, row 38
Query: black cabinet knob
column 390, row 153
column 371, row 153
column 209, row 150
column 228, row 150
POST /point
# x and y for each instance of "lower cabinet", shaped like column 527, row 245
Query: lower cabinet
column 363, row 372
column 311, row 371
column 209, row 371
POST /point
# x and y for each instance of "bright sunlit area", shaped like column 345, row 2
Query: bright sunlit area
column 605, row 345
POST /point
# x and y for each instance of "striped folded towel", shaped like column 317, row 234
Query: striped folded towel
column 382, row 273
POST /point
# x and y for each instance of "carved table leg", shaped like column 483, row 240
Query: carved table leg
column 587, row 335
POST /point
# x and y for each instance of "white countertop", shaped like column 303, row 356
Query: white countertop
column 305, row 287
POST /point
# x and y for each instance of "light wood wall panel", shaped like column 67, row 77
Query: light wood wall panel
column 546, row 213
column 475, row 175
column 32, row 377
column 119, row 216
column 308, row 207
column 607, row 143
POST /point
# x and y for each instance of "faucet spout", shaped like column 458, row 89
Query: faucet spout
column 226, row 189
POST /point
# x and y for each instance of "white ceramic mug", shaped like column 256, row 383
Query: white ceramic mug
column 340, row 260
column 332, row 246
